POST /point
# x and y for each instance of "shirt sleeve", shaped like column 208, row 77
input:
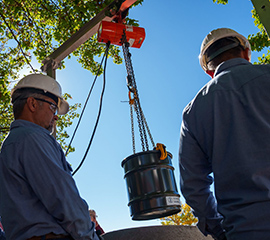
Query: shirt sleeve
column 195, row 182
column 47, row 172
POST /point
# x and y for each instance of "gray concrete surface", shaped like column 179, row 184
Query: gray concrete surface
column 161, row 232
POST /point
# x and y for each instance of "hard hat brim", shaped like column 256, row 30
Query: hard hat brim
column 63, row 107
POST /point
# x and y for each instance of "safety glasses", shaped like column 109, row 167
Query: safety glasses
column 53, row 106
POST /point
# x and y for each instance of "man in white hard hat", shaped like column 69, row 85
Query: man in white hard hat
column 38, row 196
column 225, row 139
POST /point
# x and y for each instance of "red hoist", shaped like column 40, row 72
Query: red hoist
column 149, row 174
column 113, row 32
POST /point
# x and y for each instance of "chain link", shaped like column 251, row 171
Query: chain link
column 142, row 124
column 132, row 128
column 148, row 130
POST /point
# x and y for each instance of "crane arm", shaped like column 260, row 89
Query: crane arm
column 262, row 7
column 113, row 10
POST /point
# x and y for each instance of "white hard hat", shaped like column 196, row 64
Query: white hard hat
column 217, row 34
column 48, row 85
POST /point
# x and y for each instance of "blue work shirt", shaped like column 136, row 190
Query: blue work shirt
column 226, row 131
column 37, row 192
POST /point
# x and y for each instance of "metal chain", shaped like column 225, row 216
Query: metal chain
column 137, row 106
column 141, row 127
column 132, row 129
column 148, row 130
column 132, row 86
column 140, row 114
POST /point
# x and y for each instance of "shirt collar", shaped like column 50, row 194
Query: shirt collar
column 229, row 64
column 25, row 123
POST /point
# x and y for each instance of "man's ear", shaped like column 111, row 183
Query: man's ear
column 246, row 54
column 210, row 73
column 31, row 104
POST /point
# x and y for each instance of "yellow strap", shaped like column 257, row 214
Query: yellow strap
column 161, row 147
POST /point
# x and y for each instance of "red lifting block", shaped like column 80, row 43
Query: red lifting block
column 113, row 32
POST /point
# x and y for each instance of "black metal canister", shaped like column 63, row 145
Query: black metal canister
column 151, row 186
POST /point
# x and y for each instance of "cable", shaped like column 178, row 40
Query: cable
column 99, row 111
column 86, row 101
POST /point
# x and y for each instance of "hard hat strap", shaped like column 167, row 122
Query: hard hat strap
column 30, row 90
column 52, row 96
column 221, row 50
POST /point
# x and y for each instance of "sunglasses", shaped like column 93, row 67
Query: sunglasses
column 53, row 106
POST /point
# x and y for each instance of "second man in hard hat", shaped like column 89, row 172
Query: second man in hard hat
column 225, row 140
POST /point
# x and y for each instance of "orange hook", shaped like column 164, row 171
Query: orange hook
column 162, row 148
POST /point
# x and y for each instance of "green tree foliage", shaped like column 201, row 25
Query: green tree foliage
column 259, row 41
column 65, row 121
column 34, row 29
column 6, row 117
column 185, row 217
column 221, row 1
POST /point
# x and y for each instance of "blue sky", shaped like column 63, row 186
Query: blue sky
column 168, row 76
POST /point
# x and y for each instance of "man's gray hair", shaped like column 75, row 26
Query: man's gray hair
column 19, row 98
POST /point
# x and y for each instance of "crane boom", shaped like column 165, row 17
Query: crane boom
column 53, row 61
column 262, row 7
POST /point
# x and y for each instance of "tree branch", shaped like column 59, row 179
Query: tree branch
column 30, row 19
column 15, row 38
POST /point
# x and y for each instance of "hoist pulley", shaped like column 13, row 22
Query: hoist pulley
column 112, row 32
